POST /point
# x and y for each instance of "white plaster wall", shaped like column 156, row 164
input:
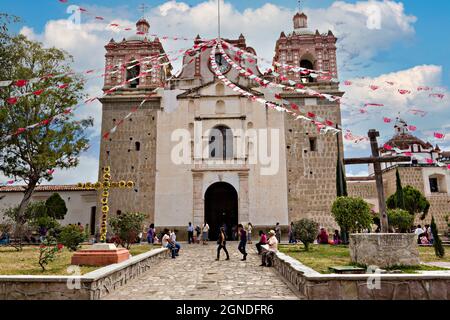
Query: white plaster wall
column 427, row 172
column 174, row 183
column 79, row 204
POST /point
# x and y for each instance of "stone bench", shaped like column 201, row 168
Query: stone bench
column 347, row 270
column 267, row 255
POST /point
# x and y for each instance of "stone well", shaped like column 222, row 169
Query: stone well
column 384, row 249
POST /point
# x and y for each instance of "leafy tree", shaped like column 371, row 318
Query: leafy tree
column 414, row 202
column 71, row 236
column 56, row 207
column 400, row 219
column 341, row 183
column 48, row 251
column 400, row 201
column 306, row 230
column 126, row 227
column 33, row 154
column 437, row 242
column 352, row 214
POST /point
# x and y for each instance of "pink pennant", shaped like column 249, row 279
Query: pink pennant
column 387, row 147
column 374, row 87
column 299, row 86
column 21, row 83
column 439, row 135
column 374, row 105
column 311, row 115
column 402, row 91
column 387, row 120
column 448, row 166
column 412, row 128
column 347, row 83
column 437, row 95
column 51, row 172
column 278, row 96
column 12, row 100
column 10, row 182
column 408, row 154
column 429, row 161
column 294, row 106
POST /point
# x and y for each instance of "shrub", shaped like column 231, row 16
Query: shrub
column 352, row 214
column 414, row 202
column 56, row 206
column 437, row 242
column 71, row 236
column 306, row 230
column 47, row 252
column 400, row 219
column 126, row 227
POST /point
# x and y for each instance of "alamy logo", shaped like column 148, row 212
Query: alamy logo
column 74, row 282
column 224, row 146
column 74, row 21
column 373, row 13
column 374, row 280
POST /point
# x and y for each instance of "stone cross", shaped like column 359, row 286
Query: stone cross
column 104, row 186
column 376, row 160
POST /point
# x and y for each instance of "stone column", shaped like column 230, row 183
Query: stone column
column 244, row 216
column 199, row 203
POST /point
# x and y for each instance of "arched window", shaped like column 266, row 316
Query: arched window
column 221, row 143
column 133, row 71
column 307, row 64
column 220, row 89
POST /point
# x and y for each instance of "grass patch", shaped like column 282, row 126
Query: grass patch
column 13, row 262
column 320, row 257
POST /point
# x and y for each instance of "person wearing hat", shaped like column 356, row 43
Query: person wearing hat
column 267, row 256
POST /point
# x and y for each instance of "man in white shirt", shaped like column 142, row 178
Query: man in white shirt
column 166, row 242
column 267, row 255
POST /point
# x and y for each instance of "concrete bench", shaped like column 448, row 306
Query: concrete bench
column 347, row 270
column 267, row 255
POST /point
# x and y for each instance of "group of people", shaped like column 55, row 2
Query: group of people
column 424, row 235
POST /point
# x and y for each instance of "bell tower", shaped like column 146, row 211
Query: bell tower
column 135, row 67
column 311, row 157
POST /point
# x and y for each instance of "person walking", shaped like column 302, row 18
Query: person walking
column 242, row 242
column 222, row 244
column 291, row 233
column 205, row 231
column 151, row 234
column 278, row 232
column 190, row 231
column 249, row 233
column 198, row 232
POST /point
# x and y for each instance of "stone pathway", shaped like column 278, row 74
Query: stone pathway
column 195, row 275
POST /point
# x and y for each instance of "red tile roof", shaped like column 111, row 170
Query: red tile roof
column 57, row 188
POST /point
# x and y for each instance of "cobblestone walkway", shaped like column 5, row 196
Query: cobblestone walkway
column 195, row 275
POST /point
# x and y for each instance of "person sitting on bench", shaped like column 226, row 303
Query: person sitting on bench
column 267, row 256
column 167, row 242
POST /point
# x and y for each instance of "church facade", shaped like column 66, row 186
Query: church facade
column 200, row 152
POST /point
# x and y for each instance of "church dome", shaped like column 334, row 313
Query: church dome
column 404, row 141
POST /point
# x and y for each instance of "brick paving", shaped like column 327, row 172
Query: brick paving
column 195, row 275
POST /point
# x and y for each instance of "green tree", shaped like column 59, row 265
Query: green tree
column 56, row 207
column 437, row 242
column 414, row 202
column 352, row 214
column 399, row 193
column 33, row 154
column 126, row 227
column 341, row 183
column 306, row 230
column 71, row 236
column 400, row 219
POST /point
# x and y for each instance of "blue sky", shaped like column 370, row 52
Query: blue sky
column 407, row 48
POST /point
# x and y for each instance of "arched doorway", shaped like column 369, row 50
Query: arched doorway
column 221, row 207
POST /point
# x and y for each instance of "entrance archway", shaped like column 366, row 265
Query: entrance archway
column 221, row 208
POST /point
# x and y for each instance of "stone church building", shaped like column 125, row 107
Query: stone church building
column 221, row 184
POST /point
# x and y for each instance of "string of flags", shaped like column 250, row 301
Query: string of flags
column 323, row 126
